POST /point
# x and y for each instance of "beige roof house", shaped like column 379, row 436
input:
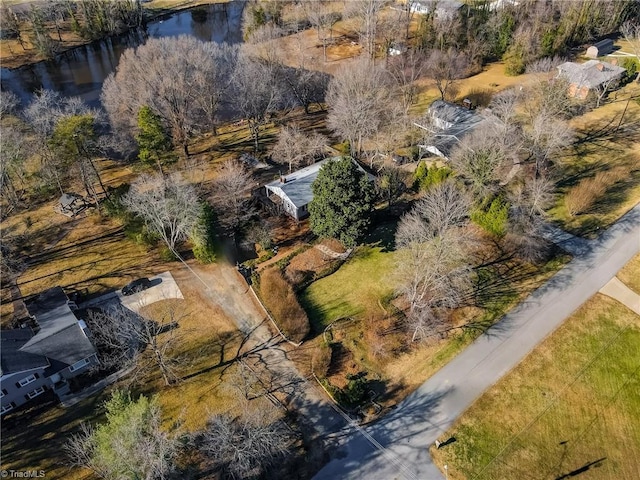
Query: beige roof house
column 588, row 76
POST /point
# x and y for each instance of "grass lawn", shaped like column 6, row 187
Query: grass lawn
column 357, row 286
column 206, row 347
column 571, row 407
column 602, row 147
column 630, row 274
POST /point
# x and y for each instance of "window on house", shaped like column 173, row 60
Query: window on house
column 79, row 365
column 3, row 392
column 27, row 380
column 35, row 392
column 6, row 408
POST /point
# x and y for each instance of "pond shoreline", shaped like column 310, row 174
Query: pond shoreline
column 13, row 62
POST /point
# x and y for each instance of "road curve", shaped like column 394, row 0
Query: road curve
column 427, row 413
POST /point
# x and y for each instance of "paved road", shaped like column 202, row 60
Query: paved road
column 427, row 413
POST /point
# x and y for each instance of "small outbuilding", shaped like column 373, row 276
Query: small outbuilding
column 70, row 204
column 600, row 49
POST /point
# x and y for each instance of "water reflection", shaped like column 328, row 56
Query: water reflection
column 81, row 71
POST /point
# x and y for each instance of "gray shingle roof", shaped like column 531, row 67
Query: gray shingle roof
column 448, row 123
column 297, row 185
column 589, row 74
column 14, row 360
column 60, row 336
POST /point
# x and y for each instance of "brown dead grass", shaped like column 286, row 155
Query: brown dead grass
column 278, row 296
column 606, row 157
column 630, row 274
column 207, row 345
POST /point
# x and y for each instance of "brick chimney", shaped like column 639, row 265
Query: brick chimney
column 600, row 66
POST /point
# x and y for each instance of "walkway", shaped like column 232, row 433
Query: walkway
column 620, row 292
column 430, row 411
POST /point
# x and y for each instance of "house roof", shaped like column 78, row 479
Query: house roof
column 297, row 185
column 606, row 43
column 60, row 336
column 589, row 74
column 448, row 123
column 14, row 360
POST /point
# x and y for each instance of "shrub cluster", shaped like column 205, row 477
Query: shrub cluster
column 281, row 301
column 425, row 177
column 492, row 216
column 583, row 196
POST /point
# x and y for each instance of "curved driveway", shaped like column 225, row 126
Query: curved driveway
column 406, row 434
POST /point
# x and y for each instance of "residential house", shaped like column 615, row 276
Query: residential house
column 501, row 4
column 70, row 204
column 293, row 192
column 600, row 49
column 46, row 355
column 443, row 9
column 446, row 124
column 592, row 75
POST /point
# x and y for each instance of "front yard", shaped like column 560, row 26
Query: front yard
column 571, row 407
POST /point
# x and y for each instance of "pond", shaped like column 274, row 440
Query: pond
column 82, row 70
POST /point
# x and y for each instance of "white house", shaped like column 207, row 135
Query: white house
column 293, row 192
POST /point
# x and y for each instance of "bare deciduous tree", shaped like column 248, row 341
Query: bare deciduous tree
column 631, row 33
column 259, row 93
column 127, row 340
column 529, row 200
column 13, row 153
column 360, row 100
column 306, row 86
column 433, row 267
column 168, row 206
column 368, row 14
column 231, row 196
column 484, row 157
column 544, row 138
column 181, row 79
column 295, row 147
column 445, row 206
column 247, row 445
column 406, row 69
column 445, row 67
column 9, row 102
column 434, row 277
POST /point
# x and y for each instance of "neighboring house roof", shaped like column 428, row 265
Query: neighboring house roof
column 590, row 74
column 297, row 185
column 60, row 336
column 443, row 8
column 14, row 360
column 448, row 123
column 600, row 48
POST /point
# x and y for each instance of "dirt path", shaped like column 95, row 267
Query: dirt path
column 267, row 351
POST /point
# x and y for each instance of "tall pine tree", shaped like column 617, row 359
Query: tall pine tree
column 342, row 202
column 153, row 141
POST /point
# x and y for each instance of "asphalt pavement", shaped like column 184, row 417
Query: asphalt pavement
column 402, row 438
